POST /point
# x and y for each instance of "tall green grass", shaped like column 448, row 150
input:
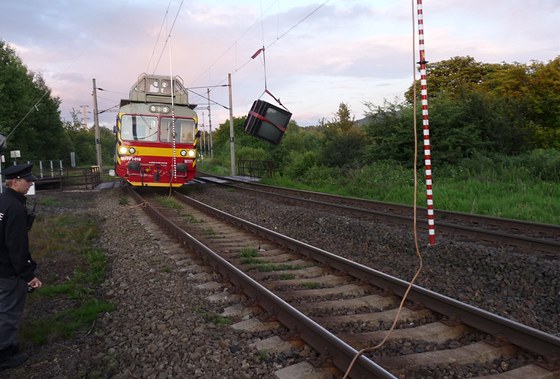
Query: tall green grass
column 75, row 267
column 506, row 190
column 525, row 187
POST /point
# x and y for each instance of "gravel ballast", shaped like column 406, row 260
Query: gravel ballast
column 165, row 327
column 519, row 286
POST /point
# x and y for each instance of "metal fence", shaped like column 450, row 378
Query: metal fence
column 255, row 169
column 53, row 174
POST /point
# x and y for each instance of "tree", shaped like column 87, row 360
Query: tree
column 453, row 77
column 343, row 141
column 512, row 107
column 29, row 115
column 544, row 97
column 390, row 129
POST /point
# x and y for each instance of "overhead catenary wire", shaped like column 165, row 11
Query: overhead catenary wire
column 158, row 36
column 45, row 93
column 278, row 37
column 234, row 44
column 221, row 83
column 31, row 109
column 168, row 34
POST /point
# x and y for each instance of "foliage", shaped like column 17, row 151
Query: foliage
column 391, row 131
column 248, row 147
column 473, row 107
column 492, row 127
column 343, row 142
column 544, row 164
column 300, row 163
column 74, row 236
column 29, row 115
column 82, row 142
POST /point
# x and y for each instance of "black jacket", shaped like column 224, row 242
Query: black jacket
column 15, row 259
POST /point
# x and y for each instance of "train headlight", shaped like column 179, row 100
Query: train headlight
column 183, row 153
column 126, row 150
column 191, row 153
column 159, row 108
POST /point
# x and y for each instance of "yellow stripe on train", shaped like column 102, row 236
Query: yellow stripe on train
column 157, row 152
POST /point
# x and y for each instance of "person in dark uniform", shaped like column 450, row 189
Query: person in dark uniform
column 17, row 269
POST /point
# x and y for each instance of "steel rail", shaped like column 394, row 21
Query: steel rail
column 487, row 235
column 340, row 353
column 518, row 334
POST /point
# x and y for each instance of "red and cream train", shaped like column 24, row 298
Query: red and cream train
column 156, row 134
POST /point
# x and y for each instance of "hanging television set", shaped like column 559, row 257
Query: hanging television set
column 267, row 121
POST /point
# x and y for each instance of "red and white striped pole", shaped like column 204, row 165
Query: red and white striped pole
column 426, row 125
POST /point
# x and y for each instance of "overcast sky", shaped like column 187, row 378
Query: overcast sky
column 317, row 54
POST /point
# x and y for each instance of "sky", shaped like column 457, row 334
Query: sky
column 317, row 54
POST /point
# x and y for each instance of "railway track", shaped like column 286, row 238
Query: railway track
column 339, row 307
column 490, row 231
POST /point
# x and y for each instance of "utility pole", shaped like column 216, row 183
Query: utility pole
column 210, row 124
column 203, row 150
column 96, row 126
column 231, row 131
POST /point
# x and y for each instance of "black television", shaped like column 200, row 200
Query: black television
column 267, row 121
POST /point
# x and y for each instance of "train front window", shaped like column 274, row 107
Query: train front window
column 184, row 130
column 139, row 128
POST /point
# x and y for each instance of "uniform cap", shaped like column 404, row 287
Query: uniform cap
column 20, row 171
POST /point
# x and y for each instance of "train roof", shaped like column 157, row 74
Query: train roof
column 159, row 89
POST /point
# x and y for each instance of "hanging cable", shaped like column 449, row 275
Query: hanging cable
column 415, row 232
column 256, row 54
column 173, row 130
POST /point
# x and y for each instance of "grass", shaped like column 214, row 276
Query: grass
column 311, row 285
column 209, row 232
column 248, row 253
column 263, row 355
column 168, row 202
column 501, row 191
column 49, row 202
column 251, row 256
column 252, row 261
column 287, row 276
column 269, row 267
column 82, row 284
column 189, row 217
column 66, row 323
column 214, row 318
column 65, row 244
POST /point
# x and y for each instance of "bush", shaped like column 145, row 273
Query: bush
column 544, row 164
column 322, row 176
column 299, row 164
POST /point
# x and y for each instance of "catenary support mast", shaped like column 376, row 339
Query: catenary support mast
column 426, row 125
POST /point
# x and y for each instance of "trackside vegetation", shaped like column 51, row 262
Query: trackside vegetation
column 494, row 136
column 67, row 240
column 494, row 133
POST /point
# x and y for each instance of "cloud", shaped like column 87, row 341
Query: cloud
column 317, row 55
